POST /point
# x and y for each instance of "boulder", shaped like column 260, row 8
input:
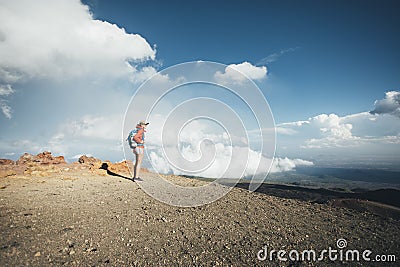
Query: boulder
column 120, row 167
column 46, row 158
column 108, row 168
column 99, row 168
column 88, row 160
column 26, row 158
column 95, row 165
column 6, row 162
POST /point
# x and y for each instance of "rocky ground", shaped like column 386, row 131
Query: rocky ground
column 91, row 214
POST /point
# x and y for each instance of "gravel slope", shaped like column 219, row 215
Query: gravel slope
column 84, row 219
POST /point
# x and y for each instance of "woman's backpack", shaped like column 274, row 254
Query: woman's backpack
column 131, row 140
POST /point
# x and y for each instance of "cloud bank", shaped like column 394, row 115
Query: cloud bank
column 60, row 41
column 327, row 131
column 371, row 135
column 232, row 153
column 224, row 155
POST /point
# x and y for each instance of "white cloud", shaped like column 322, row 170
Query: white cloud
column 102, row 127
column 238, row 73
column 5, row 108
column 321, row 131
column 285, row 131
column 60, row 41
column 334, row 132
column 57, row 144
column 233, row 157
column 86, row 135
column 63, row 41
column 389, row 105
column 139, row 76
column 294, row 123
column 391, row 139
column 221, row 168
column 25, row 145
column 286, row 164
column 8, row 76
column 275, row 56
column 6, row 90
column 355, row 133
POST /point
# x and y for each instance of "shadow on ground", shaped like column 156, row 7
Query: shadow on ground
column 104, row 166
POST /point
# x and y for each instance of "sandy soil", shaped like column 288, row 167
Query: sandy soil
column 74, row 217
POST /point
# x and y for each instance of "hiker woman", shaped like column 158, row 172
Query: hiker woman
column 139, row 149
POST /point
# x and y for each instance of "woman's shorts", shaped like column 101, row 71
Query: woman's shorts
column 139, row 150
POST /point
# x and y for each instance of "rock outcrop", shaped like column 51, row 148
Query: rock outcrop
column 45, row 164
column 25, row 159
column 103, row 168
column 87, row 160
column 94, row 165
column 120, row 167
column 41, row 158
column 6, row 162
column 47, row 158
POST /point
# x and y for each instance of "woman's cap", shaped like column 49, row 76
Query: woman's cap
column 143, row 123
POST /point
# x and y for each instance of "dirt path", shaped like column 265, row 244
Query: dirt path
column 82, row 219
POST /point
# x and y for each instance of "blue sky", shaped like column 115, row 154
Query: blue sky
column 65, row 83
column 341, row 55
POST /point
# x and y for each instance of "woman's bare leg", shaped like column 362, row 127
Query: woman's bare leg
column 138, row 165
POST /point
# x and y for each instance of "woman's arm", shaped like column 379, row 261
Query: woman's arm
column 138, row 137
